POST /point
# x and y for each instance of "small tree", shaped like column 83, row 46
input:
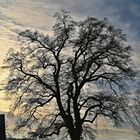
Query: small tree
column 80, row 72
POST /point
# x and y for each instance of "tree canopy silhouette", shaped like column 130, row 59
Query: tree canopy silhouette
column 63, row 82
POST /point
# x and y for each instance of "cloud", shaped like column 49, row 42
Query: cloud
column 17, row 15
column 4, row 103
column 28, row 13
column 123, row 14
column 38, row 14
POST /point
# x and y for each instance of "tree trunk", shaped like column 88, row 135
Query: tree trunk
column 75, row 135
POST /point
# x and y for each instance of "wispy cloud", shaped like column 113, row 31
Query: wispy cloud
column 123, row 14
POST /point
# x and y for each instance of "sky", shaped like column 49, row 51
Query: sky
column 18, row 15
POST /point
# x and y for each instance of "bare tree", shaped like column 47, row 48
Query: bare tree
column 132, row 116
column 63, row 82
